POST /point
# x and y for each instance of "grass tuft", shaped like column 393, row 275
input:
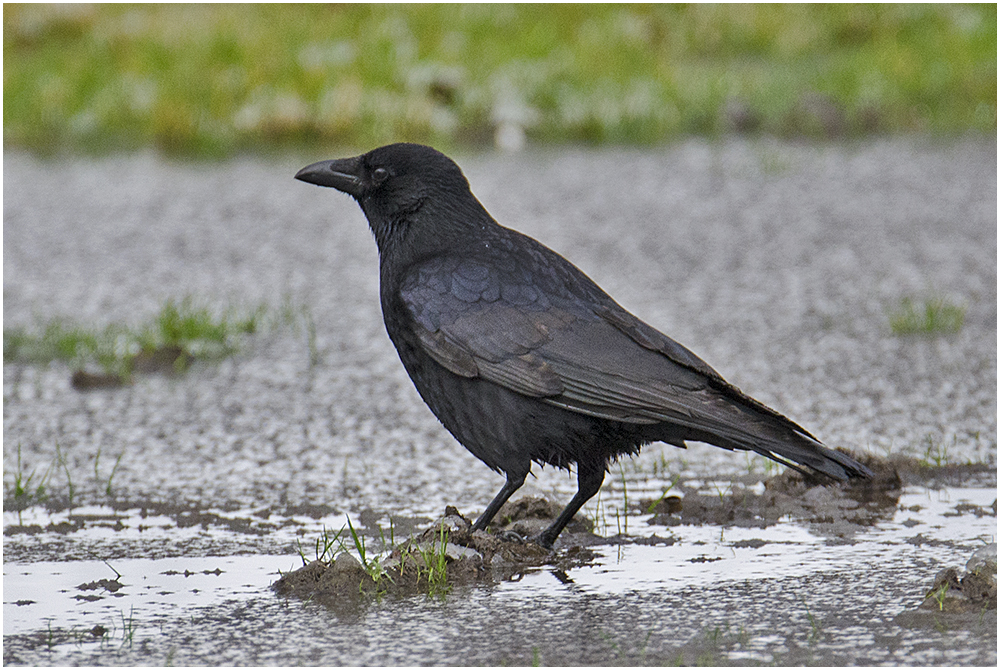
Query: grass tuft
column 413, row 565
column 55, row 487
column 935, row 316
column 27, row 490
column 180, row 333
column 435, row 563
column 371, row 564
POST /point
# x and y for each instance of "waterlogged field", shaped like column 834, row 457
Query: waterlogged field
column 850, row 591
column 145, row 519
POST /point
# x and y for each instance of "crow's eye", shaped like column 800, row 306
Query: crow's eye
column 379, row 175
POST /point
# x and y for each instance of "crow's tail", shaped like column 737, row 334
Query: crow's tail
column 743, row 423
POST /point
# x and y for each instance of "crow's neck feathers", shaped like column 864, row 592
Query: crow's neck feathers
column 445, row 217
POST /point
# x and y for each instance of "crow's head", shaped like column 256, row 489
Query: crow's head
column 397, row 176
column 403, row 188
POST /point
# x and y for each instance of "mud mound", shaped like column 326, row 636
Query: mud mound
column 448, row 554
column 971, row 590
column 818, row 500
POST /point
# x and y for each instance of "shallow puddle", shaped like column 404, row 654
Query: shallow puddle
column 706, row 555
column 79, row 595
column 36, row 534
column 141, row 609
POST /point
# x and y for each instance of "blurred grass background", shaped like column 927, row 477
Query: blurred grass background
column 215, row 80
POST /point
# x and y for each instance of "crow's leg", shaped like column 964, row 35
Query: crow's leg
column 589, row 478
column 514, row 482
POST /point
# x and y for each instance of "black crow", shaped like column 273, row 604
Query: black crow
column 521, row 356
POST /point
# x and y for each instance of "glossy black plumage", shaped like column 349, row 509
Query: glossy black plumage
column 521, row 356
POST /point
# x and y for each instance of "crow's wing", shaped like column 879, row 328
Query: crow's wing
column 549, row 332
column 534, row 334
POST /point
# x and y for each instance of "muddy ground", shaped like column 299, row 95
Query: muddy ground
column 155, row 517
column 467, row 557
column 809, row 556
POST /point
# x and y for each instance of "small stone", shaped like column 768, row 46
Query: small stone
column 983, row 559
column 346, row 563
column 740, row 117
column 83, row 380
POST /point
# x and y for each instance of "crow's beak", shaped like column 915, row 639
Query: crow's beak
column 343, row 174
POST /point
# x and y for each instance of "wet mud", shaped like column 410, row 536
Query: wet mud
column 974, row 589
column 840, row 506
column 195, row 492
column 167, row 360
column 843, row 507
column 450, row 554
column 442, row 560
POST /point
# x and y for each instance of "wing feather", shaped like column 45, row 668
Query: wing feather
column 596, row 359
column 454, row 358
column 544, row 330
